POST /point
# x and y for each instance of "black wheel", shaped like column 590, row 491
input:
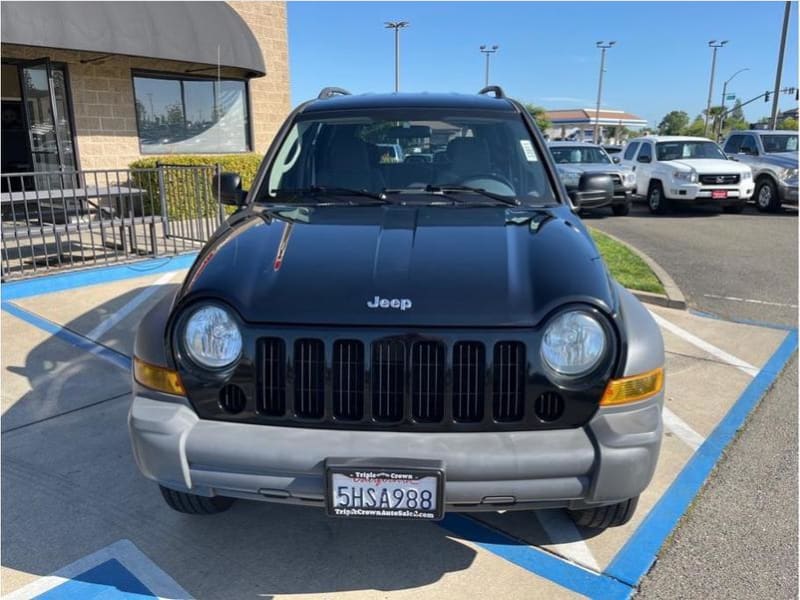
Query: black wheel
column 656, row 201
column 192, row 504
column 766, row 195
column 733, row 209
column 620, row 210
column 602, row 517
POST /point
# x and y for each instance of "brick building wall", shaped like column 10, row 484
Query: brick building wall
column 103, row 100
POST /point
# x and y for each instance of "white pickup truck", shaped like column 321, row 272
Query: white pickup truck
column 692, row 170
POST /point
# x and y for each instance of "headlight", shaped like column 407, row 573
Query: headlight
column 788, row 173
column 573, row 343
column 211, row 338
column 687, row 176
column 629, row 178
column 747, row 175
column 570, row 178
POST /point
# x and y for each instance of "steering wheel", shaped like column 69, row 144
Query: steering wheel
column 491, row 182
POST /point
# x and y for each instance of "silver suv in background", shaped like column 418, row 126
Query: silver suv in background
column 577, row 162
column 772, row 155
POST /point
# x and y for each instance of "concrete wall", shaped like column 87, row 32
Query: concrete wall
column 103, row 100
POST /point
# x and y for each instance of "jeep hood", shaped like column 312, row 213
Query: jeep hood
column 456, row 266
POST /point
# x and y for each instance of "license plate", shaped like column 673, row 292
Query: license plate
column 385, row 492
column 719, row 194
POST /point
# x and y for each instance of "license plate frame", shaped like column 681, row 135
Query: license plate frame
column 719, row 194
column 409, row 470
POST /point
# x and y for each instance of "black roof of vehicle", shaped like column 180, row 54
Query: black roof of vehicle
column 407, row 100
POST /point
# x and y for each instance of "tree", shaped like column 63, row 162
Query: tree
column 788, row 123
column 697, row 128
column 673, row 123
column 737, row 114
column 539, row 115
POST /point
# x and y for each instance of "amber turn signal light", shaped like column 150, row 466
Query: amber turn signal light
column 157, row 378
column 634, row 388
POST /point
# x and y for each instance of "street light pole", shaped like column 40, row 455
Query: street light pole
column 603, row 47
column 773, row 121
column 397, row 26
column 488, row 51
column 715, row 45
column 724, row 90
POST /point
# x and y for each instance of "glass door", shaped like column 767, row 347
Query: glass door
column 45, row 125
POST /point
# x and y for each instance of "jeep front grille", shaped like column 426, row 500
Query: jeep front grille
column 348, row 380
column 404, row 382
column 427, row 382
column 388, row 380
column 469, row 376
column 309, row 376
column 271, row 377
column 509, row 379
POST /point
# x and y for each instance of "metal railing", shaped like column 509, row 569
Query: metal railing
column 57, row 220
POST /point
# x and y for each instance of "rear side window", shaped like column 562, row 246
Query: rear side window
column 732, row 147
column 645, row 152
column 630, row 151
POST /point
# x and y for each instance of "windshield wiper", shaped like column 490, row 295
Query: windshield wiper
column 332, row 192
column 447, row 188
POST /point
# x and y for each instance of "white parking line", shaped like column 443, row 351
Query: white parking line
column 711, row 349
column 558, row 526
column 682, row 429
column 749, row 300
column 129, row 307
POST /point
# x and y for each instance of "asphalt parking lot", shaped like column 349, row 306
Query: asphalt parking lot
column 78, row 518
column 740, row 267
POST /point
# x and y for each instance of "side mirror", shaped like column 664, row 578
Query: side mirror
column 573, row 206
column 615, row 160
column 227, row 188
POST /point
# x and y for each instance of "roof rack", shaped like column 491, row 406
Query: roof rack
column 498, row 91
column 330, row 92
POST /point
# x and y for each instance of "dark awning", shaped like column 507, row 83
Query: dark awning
column 182, row 31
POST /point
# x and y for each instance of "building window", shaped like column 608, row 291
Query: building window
column 191, row 116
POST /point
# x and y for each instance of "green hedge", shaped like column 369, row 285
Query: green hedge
column 188, row 191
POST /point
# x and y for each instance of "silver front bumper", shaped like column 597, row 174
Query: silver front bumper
column 613, row 458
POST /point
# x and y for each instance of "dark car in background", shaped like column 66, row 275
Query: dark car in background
column 397, row 340
column 592, row 177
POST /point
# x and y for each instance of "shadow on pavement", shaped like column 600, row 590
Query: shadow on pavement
column 70, row 487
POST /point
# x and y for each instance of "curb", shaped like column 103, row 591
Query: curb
column 673, row 298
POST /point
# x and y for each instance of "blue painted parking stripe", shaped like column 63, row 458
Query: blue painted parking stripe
column 117, row 572
column 107, row 581
column 67, row 335
column 47, row 284
column 537, row 561
column 636, row 557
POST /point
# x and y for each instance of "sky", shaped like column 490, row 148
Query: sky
column 547, row 54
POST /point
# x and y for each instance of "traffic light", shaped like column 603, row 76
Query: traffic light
column 766, row 96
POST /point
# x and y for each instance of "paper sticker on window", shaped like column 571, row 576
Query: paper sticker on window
column 527, row 148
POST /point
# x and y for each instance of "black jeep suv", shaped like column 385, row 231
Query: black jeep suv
column 398, row 338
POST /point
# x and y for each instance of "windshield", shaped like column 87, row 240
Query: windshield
column 420, row 155
column 690, row 149
column 579, row 154
column 779, row 143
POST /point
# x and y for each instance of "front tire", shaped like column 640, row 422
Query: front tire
column 192, row 504
column 766, row 196
column 603, row 517
column 620, row 210
column 656, row 200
